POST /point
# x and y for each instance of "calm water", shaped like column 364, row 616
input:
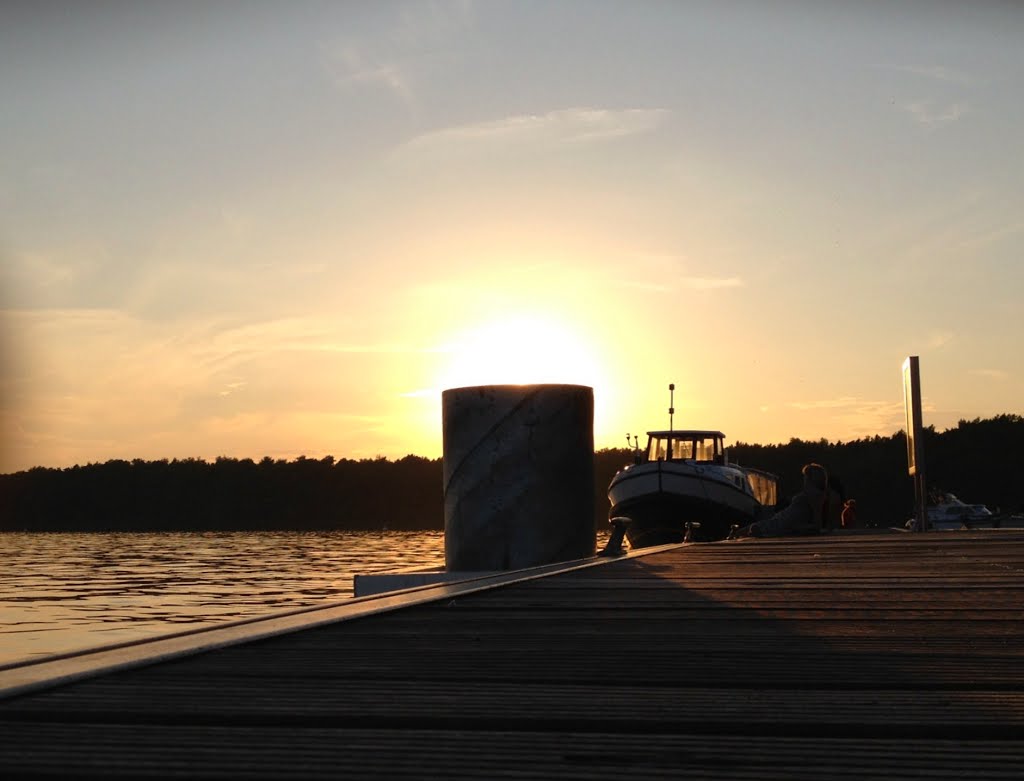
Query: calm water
column 65, row 592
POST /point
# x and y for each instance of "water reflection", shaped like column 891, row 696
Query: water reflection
column 63, row 592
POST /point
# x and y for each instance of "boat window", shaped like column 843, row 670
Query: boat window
column 656, row 449
column 765, row 488
column 706, row 450
column 682, row 448
column 676, row 448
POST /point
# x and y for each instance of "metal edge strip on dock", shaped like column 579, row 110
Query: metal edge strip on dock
column 32, row 675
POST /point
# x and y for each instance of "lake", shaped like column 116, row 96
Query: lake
column 67, row 592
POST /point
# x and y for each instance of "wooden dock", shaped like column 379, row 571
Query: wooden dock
column 868, row 656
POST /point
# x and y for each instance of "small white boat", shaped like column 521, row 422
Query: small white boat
column 682, row 479
column 948, row 512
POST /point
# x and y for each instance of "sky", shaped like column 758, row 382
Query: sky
column 254, row 229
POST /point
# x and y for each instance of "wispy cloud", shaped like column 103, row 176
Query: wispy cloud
column 992, row 235
column 690, row 283
column 226, row 344
column 395, row 50
column 931, row 115
column 842, row 401
column 421, row 393
column 711, row 283
column 858, row 417
column 232, row 387
column 48, row 272
column 646, row 287
column 937, row 339
column 348, row 67
column 655, row 272
column 991, row 374
column 564, row 126
column 102, row 382
column 72, row 317
column 940, row 73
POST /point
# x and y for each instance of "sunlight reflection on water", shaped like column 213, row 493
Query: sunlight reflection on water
column 64, row 592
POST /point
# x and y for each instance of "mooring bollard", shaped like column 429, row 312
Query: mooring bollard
column 518, row 475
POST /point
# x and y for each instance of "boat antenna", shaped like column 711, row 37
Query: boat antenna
column 671, row 404
column 633, row 441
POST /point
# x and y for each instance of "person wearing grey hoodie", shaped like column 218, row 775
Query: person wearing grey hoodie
column 804, row 515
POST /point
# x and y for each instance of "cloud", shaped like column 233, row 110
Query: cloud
column 47, row 272
column 991, row 374
column 232, row 387
column 857, row 417
column 654, row 272
column 929, row 115
column 422, row 393
column 349, row 67
column 711, row 283
column 937, row 339
column 564, row 126
column 226, row 345
column 129, row 352
column 693, row 283
column 647, row 287
column 932, row 72
column 70, row 318
column 398, row 46
column 99, row 383
column 843, row 401
column 991, row 236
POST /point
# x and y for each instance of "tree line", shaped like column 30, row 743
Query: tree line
column 227, row 494
column 978, row 460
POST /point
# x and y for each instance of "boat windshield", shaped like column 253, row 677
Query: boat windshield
column 670, row 448
column 764, row 486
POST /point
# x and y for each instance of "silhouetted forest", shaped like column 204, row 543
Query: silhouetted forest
column 978, row 460
column 227, row 494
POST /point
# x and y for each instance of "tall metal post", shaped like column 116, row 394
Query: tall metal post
column 915, row 439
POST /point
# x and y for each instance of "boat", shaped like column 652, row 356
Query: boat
column 948, row 512
column 683, row 488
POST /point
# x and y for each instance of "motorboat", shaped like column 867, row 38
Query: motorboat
column 948, row 512
column 682, row 487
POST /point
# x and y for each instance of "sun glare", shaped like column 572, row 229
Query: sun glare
column 521, row 350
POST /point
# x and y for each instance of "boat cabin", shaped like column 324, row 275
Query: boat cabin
column 702, row 446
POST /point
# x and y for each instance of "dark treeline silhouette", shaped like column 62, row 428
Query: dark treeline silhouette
column 978, row 460
column 227, row 494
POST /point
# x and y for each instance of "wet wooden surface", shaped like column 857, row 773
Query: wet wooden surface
column 869, row 656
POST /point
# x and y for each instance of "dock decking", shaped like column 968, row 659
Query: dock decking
column 878, row 655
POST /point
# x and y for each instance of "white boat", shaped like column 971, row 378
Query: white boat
column 948, row 512
column 682, row 479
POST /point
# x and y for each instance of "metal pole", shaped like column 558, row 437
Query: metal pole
column 671, row 405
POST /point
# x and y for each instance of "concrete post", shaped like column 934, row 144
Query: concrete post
column 518, row 475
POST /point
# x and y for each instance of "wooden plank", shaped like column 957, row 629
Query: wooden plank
column 228, row 752
column 496, row 705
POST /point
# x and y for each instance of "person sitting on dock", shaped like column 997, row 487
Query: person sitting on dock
column 803, row 515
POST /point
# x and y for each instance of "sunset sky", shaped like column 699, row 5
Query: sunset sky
column 264, row 228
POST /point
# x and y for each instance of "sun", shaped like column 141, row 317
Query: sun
column 520, row 350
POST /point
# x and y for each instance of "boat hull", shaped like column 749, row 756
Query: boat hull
column 659, row 499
